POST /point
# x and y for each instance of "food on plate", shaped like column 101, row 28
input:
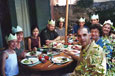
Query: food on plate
column 45, row 46
column 33, row 53
column 60, row 59
column 53, row 53
column 64, row 59
column 28, row 61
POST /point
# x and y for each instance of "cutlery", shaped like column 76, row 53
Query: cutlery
column 50, row 65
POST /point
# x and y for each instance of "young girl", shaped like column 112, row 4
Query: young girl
column 34, row 40
column 9, row 58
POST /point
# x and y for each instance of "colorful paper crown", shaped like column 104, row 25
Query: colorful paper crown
column 51, row 22
column 17, row 29
column 95, row 16
column 11, row 37
column 82, row 19
column 108, row 22
column 61, row 19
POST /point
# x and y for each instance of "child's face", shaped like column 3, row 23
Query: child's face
column 35, row 32
column 12, row 44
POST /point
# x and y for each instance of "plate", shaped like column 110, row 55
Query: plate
column 35, row 54
column 53, row 53
column 60, row 60
column 29, row 61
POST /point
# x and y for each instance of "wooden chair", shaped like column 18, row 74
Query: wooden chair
column 26, row 43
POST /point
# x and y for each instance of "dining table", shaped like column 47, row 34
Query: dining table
column 48, row 65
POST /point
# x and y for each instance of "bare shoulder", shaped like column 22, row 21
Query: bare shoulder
column 39, row 38
column 5, row 54
column 29, row 38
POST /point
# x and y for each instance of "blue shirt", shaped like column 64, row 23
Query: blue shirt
column 100, row 42
column 76, row 27
column 105, row 43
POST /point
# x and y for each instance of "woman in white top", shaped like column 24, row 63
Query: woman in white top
column 9, row 58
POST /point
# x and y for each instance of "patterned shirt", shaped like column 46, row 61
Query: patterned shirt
column 92, row 61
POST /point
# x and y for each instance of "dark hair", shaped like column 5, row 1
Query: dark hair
column 33, row 27
column 19, row 32
column 57, row 23
column 98, row 27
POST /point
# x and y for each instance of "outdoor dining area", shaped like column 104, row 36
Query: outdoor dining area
column 88, row 50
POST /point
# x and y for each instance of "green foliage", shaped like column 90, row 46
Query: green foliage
column 110, row 71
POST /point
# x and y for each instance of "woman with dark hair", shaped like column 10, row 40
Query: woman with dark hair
column 34, row 40
column 96, row 34
column 60, row 29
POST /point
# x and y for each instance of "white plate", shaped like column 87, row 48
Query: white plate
column 28, row 61
column 53, row 53
column 60, row 60
column 37, row 53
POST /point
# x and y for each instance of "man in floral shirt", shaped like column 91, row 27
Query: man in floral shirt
column 92, row 61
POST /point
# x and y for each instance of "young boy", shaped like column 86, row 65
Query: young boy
column 9, row 58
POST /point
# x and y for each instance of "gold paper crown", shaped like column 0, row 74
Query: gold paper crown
column 61, row 19
column 51, row 22
column 95, row 16
column 82, row 19
column 108, row 22
column 11, row 37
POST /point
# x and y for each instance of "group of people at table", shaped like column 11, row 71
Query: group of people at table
column 93, row 39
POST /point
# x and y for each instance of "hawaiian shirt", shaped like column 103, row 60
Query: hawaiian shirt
column 92, row 62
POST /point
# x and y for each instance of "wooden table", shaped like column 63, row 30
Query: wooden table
column 44, row 66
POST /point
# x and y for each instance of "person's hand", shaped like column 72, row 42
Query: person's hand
column 113, row 60
column 47, row 42
column 67, row 52
column 23, row 54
